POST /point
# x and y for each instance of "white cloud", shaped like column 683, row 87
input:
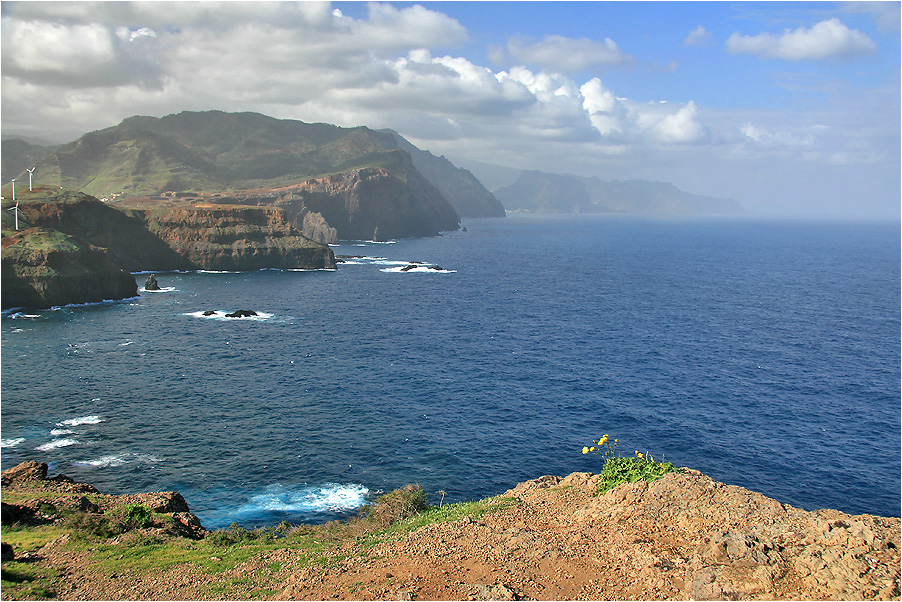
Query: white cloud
column 825, row 40
column 568, row 55
column 698, row 37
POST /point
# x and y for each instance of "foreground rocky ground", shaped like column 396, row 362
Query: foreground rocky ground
column 684, row 536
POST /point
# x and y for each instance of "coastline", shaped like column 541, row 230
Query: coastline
column 682, row 536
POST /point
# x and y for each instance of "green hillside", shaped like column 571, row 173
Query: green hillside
column 209, row 151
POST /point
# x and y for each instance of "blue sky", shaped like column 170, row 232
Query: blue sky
column 788, row 107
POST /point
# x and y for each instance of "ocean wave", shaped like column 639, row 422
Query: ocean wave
column 56, row 443
column 114, row 460
column 80, row 420
column 60, row 432
column 162, row 289
column 92, row 304
column 329, row 497
column 220, row 314
column 11, row 442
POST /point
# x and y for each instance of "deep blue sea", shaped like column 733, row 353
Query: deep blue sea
column 765, row 354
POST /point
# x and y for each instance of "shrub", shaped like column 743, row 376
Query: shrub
column 395, row 505
column 618, row 470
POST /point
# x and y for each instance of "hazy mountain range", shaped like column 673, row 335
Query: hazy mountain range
column 212, row 152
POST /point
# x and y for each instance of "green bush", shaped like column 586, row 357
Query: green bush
column 396, row 505
column 617, row 471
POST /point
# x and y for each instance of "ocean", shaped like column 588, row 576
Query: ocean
column 765, row 354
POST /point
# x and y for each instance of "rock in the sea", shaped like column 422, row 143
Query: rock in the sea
column 151, row 284
column 241, row 313
column 209, row 312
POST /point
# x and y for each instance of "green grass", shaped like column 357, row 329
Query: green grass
column 139, row 551
column 27, row 581
column 617, row 471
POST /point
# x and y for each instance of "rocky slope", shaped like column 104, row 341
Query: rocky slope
column 234, row 237
column 249, row 155
column 44, row 268
column 126, row 238
column 684, row 536
column 182, row 236
column 465, row 193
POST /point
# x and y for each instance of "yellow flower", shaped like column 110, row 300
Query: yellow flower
column 640, row 455
column 585, row 450
column 591, row 449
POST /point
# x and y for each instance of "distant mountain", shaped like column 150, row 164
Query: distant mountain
column 19, row 155
column 558, row 193
column 465, row 193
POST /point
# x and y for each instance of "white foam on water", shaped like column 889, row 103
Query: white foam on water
column 220, row 315
column 329, row 497
column 56, row 443
column 103, row 462
column 60, row 432
column 81, row 420
column 11, row 442
column 126, row 344
column 420, row 269
column 162, row 289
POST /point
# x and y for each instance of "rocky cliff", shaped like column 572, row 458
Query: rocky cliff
column 393, row 199
column 184, row 237
column 125, row 237
column 684, row 536
column 236, row 237
column 44, row 268
column 465, row 193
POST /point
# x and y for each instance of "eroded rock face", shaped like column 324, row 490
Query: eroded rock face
column 236, row 237
column 43, row 268
column 358, row 202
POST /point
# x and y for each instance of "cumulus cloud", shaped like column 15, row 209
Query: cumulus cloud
column 825, row 40
column 567, row 55
column 698, row 37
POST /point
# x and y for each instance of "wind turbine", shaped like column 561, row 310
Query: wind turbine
column 16, row 208
column 30, row 171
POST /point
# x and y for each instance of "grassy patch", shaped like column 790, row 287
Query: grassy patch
column 29, row 539
column 27, row 581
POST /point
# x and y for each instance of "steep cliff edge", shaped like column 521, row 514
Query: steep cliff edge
column 684, row 536
column 183, row 237
column 394, row 199
column 44, row 268
column 236, row 237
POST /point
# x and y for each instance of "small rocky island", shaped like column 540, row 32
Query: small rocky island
column 683, row 536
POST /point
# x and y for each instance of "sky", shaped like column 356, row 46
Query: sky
column 790, row 108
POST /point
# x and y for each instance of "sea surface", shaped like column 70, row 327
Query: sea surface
column 765, row 354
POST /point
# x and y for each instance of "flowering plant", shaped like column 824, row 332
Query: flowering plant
column 617, row 470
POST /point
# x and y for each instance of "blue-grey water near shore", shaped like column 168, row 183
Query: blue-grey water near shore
column 763, row 353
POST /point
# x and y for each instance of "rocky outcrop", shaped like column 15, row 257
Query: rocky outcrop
column 44, row 268
column 187, row 237
column 151, row 284
column 357, row 202
column 236, row 237
column 682, row 537
column 45, row 500
column 125, row 237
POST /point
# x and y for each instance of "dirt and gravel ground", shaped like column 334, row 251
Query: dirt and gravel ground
column 682, row 537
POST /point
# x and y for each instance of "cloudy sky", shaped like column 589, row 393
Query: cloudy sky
column 789, row 108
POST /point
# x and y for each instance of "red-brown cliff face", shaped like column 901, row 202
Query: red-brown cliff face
column 236, row 237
